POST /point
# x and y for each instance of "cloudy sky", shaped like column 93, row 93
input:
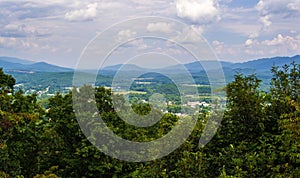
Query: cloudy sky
column 57, row 31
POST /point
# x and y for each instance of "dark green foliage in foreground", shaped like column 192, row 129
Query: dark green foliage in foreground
column 259, row 135
column 7, row 82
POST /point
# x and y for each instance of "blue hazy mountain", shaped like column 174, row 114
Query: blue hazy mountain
column 43, row 66
column 254, row 66
column 127, row 67
column 112, row 70
column 31, row 74
column 191, row 67
column 15, row 64
column 11, row 65
column 258, row 66
column 266, row 63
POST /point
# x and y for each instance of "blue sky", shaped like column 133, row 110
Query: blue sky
column 57, row 31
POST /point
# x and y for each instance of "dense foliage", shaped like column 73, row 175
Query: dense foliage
column 259, row 135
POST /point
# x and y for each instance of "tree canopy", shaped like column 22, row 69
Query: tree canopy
column 258, row 136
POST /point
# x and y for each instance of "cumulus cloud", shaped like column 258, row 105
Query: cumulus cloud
column 292, row 43
column 254, row 52
column 265, row 20
column 254, row 35
column 284, row 7
column 190, row 34
column 11, row 27
column 224, row 50
column 217, row 43
column 160, row 27
column 295, row 6
column 249, row 42
column 197, row 29
column 198, row 11
column 87, row 13
column 218, row 46
column 279, row 45
column 19, row 43
column 125, row 35
column 20, row 31
column 140, row 44
column 7, row 42
column 109, row 5
column 279, row 8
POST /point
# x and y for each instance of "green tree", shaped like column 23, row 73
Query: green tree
column 285, row 89
column 240, row 130
column 7, row 82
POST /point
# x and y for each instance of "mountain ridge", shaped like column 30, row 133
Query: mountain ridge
column 254, row 66
column 257, row 65
column 16, row 64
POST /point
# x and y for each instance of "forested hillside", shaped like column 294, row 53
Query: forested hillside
column 259, row 135
column 47, row 79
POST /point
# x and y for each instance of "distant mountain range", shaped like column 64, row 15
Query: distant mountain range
column 38, row 75
column 21, row 65
column 265, row 64
column 255, row 66
column 259, row 66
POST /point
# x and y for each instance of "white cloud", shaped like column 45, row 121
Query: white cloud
column 198, row 29
column 265, row 20
column 217, row 43
column 277, row 9
column 160, row 27
column 11, row 27
column 254, row 35
column 190, row 34
column 294, row 5
column 109, row 5
column 20, row 30
column 38, row 25
column 218, row 46
column 293, row 31
column 198, row 11
column 223, row 50
column 7, row 42
column 288, row 41
column 125, row 35
column 280, row 46
column 249, row 42
column 20, row 44
column 254, row 52
column 88, row 13
column 139, row 44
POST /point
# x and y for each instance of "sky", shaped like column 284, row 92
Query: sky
column 59, row 31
